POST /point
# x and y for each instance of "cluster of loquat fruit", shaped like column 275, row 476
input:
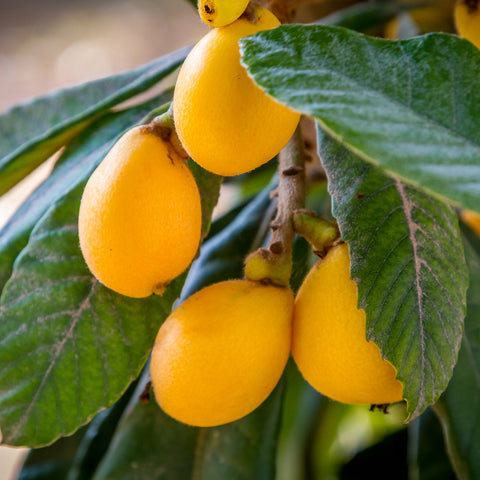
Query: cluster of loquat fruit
column 220, row 354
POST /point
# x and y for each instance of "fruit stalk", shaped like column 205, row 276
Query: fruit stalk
column 274, row 264
column 291, row 193
column 164, row 127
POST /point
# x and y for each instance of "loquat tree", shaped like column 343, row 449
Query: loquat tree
column 139, row 339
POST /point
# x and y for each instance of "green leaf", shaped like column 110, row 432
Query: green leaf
column 209, row 187
column 69, row 346
column 74, row 166
column 409, row 106
column 427, row 457
column 148, row 444
column 33, row 131
column 52, row 462
column 242, row 450
column 407, row 260
column 459, row 407
column 365, row 15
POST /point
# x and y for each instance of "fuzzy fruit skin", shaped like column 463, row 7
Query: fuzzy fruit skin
column 220, row 354
column 329, row 343
column 467, row 21
column 225, row 122
column 218, row 13
column 140, row 216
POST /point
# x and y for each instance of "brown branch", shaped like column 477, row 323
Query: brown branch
column 274, row 264
column 291, row 193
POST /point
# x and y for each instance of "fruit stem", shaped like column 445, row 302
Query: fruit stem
column 155, row 113
column 164, row 127
column 274, row 264
column 320, row 233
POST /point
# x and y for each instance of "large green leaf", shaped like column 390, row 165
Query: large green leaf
column 242, row 450
column 407, row 259
column 459, row 407
column 69, row 346
column 209, row 187
column 74, row 166
column 410, row 106
column 31, row 132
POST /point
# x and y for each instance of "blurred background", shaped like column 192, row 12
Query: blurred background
column 56, row 43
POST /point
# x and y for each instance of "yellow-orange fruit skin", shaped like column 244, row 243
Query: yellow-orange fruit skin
column 140, row 216
column 472, row 219
column 218, row 13
column 467, row 21
column 220, row 354
column 329, row 342
column 226, row 123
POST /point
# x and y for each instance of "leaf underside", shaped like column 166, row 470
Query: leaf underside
column 407, row 259
column 409, row 106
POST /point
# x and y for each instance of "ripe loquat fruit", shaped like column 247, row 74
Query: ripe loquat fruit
column 140, row 216
column 225, row 122
column 329, row 342
column 220, row 354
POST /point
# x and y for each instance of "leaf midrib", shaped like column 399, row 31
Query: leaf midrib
column 408, row 212
column 75, row 319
